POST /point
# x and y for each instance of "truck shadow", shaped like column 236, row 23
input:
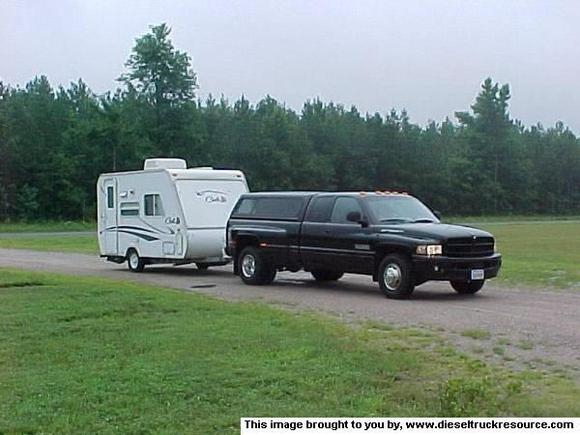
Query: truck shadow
column 429, row 292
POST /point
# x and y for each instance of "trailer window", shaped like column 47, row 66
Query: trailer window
column 153, row 205
column 110, row 197
column 129, row 209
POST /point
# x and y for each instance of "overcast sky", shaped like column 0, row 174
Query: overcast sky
column 429, row 57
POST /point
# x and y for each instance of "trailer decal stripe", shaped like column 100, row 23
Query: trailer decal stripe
column 128, row 227
column 157, row 229
column 143, row 236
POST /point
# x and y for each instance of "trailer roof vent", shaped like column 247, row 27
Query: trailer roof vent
column 165, row 164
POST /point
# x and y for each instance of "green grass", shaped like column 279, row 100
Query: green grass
column 510, row 218
column 546, row 254
column 90, row 355
column 43, row 227
column 86, row 244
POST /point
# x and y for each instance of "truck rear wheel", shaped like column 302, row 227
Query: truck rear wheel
column 326, row 275
column 135, row 263
column 254, row 268
column 395, row 279
column 467, row 288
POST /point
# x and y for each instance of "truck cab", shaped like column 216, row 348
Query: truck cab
column 392, row 237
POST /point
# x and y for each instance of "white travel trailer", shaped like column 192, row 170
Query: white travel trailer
column 166, row 213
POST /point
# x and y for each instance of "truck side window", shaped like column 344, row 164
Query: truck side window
column 279, row 208
column 342, row 207
column 319, row 210
column 246, row 207
column 110, row 197
column 153, row 206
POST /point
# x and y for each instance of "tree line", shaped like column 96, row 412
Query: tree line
column 54, row 142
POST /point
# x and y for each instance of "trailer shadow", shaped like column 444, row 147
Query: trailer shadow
column 188, row 271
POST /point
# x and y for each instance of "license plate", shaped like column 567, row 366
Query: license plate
column 477, row 274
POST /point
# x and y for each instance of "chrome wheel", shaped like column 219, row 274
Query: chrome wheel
column 392, row 276
column 249, row 265
column 134, row 260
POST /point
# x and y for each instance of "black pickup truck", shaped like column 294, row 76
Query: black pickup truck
column 391, row 236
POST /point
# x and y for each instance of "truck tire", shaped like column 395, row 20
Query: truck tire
column 254, row 268
column 467, row 287
column 395, row 278
column 135, row 263
column 326, row 275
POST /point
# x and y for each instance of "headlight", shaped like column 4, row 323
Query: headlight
column 429, row 250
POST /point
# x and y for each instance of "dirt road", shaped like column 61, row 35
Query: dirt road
column 533, row 326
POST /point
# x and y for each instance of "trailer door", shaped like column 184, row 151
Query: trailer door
column 111, row 216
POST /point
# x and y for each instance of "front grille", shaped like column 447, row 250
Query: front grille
column 469, row 247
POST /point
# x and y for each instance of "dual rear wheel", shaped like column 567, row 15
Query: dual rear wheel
column 255, row 268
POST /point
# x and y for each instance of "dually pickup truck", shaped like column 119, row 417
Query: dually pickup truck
column 393, row 237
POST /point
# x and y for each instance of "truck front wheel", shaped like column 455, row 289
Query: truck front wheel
column 467, row 288
column 254, row 268
column 395, row 279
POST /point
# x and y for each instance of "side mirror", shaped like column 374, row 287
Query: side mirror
column 437, row 214
column 355, row 216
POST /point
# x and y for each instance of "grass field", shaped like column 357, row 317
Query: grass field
column 546, row 254
column 44, row 227
column 88, row 355
column 536, row 252
column 86, row 244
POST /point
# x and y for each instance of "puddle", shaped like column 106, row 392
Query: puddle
column 203, row 286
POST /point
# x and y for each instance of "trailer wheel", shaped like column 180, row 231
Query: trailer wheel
column 135, row 263
column 254, row 268
column 395, row 278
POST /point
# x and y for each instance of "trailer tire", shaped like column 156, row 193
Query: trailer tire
column 254, row 267
column 134, row 261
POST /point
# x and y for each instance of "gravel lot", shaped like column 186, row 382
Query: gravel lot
column 527, row 327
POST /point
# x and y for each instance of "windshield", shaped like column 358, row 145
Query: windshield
column 399, row 209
